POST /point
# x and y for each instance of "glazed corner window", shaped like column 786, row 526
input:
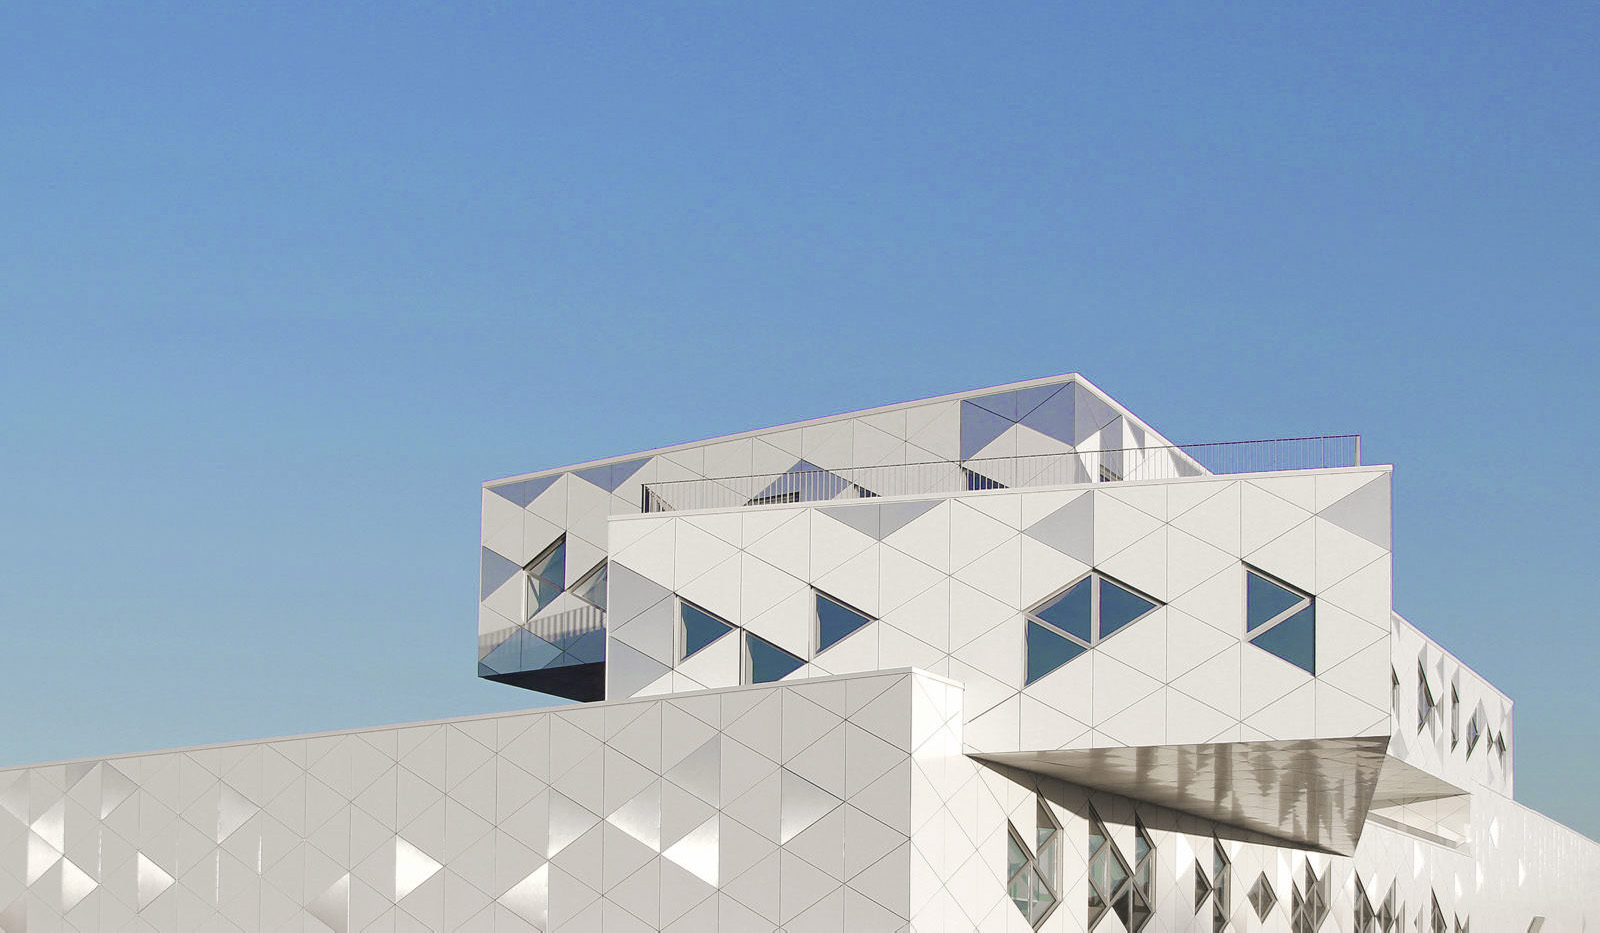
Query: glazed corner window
column 1033, row 873
column 547, row 577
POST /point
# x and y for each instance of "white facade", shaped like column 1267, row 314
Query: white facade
column 894, row 670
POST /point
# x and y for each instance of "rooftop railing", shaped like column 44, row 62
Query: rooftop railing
column 1021, row 472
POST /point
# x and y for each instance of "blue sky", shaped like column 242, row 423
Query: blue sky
column 281, row 284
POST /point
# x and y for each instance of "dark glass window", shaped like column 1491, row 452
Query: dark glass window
column 1078, row 618
column 767, row 662
column 1265, row 600
column 700, row 628
column 835, row 621
column 1073, row 611
column 1281, row 620
column 1118, row 607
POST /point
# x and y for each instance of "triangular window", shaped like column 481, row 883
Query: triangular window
column 592, row 588
column 547, row 575
column 766, row 662
column 1281, row 620
column 1078, row 617
column 700, row 628
column 836, row 621
column 1071, row 611
column 1120, row 606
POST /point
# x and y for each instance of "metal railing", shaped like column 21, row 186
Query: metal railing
column 1060, row 469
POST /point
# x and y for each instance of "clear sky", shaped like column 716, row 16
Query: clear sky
column 281, row 284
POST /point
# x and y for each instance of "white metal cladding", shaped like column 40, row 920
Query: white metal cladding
column 841, row 803
column 524, row 515
column 948, row 581
column 894, row 780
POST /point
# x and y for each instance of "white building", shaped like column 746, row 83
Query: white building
column 1004, row 660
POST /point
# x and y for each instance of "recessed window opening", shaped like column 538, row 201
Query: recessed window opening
column 1281, row 619
column 760, row 661
column 1033, row 874
column 1262, row 897
column 836, row 620
column 592, row 588
column 698, row 629
column 1216, row 884
column 1455, row 717
column 1076, row 618
column 1221, row 887
column 1425, row 702
column 1309, row 908
column 765, row 662
column 1389, row 915
column 1112, row 886
column 1366, row 916
column 546, row 578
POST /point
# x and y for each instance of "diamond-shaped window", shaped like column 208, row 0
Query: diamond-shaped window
column 1078, row 617
column 1425, row 701
column 1262, row 897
